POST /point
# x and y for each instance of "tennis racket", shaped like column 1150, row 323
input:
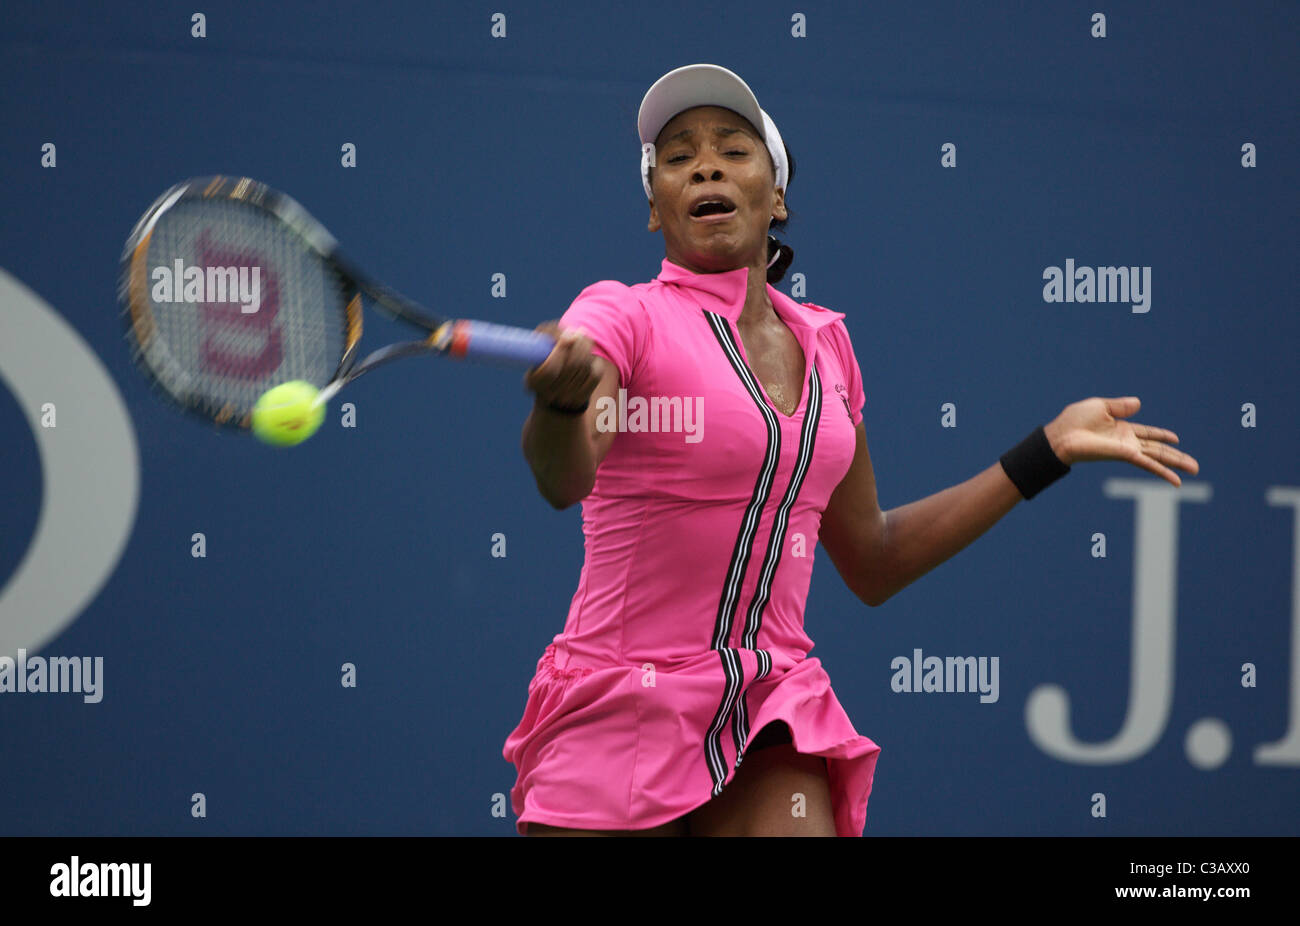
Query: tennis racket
column 230, row 288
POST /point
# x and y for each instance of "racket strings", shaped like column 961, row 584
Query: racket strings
column 261, row 309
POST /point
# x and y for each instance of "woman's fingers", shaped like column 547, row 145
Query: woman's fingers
column 1153, row 433
column 566, row 376
column 1154, row 442
column 1147, row 462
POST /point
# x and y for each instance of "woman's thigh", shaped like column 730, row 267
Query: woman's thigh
column 776, row 792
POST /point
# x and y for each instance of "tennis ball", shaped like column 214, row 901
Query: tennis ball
column 287, row 414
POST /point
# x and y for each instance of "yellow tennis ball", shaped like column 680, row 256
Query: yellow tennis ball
column 287, row 415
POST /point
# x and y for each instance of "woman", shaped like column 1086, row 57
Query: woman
column 712, row 428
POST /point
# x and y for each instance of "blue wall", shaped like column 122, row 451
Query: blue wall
column 518, row 155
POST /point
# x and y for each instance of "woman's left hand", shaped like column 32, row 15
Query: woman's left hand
column 1091, row 430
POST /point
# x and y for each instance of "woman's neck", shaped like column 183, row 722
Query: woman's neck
column 758, row 305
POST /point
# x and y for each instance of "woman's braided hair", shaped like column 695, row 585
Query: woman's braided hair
column 777, row 270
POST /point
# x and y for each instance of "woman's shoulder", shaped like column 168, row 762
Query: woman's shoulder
column 836, row 330
column 817, row 308
column 617, row 303
column 615, row 294
column 836, row 335
column 613, row 314
column 618, row 286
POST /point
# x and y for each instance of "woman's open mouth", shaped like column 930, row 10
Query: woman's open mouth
column 713, row 210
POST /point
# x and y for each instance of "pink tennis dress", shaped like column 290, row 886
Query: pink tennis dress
column 685, row 636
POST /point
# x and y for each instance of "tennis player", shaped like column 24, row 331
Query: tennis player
column 680, row 698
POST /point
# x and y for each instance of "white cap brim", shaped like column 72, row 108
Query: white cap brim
column 696, row 85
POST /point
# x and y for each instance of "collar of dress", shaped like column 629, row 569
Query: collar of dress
column 724, row 293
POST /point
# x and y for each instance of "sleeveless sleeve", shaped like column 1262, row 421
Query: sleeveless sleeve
column 611, row 314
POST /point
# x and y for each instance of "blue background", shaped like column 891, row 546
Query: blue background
column 518, row 155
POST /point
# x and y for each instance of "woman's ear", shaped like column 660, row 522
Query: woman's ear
column 653, row 224
column 779, row 211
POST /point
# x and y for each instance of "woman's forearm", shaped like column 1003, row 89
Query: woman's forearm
column 559, row 450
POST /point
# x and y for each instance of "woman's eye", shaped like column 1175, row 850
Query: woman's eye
column 682, row 157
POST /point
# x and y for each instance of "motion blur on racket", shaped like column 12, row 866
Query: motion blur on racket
column 231, row 288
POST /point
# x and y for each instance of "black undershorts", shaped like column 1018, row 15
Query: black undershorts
column 775, row 733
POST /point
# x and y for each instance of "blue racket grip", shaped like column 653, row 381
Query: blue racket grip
column 490, row 341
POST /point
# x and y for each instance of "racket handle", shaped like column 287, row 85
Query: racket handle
column 489, row 341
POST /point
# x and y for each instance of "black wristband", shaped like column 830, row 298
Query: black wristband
column 1032, row 465
column 560, row 410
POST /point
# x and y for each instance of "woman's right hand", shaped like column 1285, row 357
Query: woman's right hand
column 567, row 377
